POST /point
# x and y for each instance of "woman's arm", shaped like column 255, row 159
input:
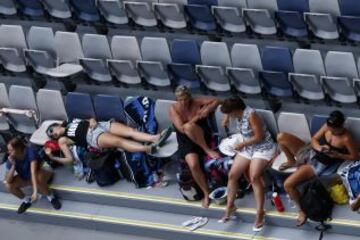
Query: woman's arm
column 315, row 140
column 209, row 105
column 256, row 127
column 34, row 168
column 64, row 143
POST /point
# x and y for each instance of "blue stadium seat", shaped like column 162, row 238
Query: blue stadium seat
column 185, row 54
column 200, row 16
column 79, row 105
column 7, row 7
column 109, row 107
column 316, row 123
column 290, row 17
column 32, row 8
column 85, row 10
column 350, row 18
column 277, row 63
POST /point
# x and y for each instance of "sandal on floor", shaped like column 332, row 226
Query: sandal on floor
column 259, row 227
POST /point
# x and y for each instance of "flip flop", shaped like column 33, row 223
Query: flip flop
column 286, row 165
column 230, row 217
column 191, row 221
column 199, row 224
column 258, row 228
column 164, row 135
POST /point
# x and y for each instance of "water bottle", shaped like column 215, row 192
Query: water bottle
column 277, row 202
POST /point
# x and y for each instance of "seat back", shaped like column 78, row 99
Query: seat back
column 270, row 5
column 353, row 125
column 86, row 9
column 125, row 48
column 204, row 2
column 233, row 3
column 341, row 64
column 31, row 7
column 155, row 49
column 215, row 54
column 316, row 123
column 79, row 105
column 162, row 108
column 277, row 59
column 96, row 46
column 12, row 36
column 68, row 47
column 246, row 56
column 349, row 7
column 308, row 61
column 7, row 7
column 297, row 6
column 109, row 107
column 51, row 105
column 41, row 38
column 4, row 97
column 328, row 6
column 185, row 51
column 269, row 119
column 286, row 124
column 22, row 97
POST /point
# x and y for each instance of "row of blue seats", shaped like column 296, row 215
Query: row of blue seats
column 325, row 19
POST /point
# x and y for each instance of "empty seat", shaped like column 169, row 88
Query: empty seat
column 308, row 66
column 79, row 105
column 341, row 70
column 41, row 54
column 7, row 7
column 57, row 8
column 52, row 110
column 260, row 16
column 113, row 11
column 162, row 108
column 246, row 65
column 269, row 119
column 68, row 51
column 290, row 17
column 277, row 63
column 12, row 44
column 32, row 8
column 215, row 58
column 353, row 125
column 286, row 124
column 350, row 19
column 185, row 54
column 141, row 12
column 22, row 97
column 321, row 19
column 109, row 107
column 156, row 57
column 171, row 13
column 4, row 103
column 228, row 15
column 96, row 51
column 316, row 123
column 125, row 51
column 199, row 14
column 85, row 10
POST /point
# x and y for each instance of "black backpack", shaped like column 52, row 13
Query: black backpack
column 317, row 204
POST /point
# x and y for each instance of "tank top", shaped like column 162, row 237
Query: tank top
column 77, row 130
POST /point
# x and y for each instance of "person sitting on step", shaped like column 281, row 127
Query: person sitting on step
column 102, row 135
column 331, row 145
column 24, row 160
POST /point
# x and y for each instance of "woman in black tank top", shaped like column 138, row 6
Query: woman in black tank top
column 102, row 135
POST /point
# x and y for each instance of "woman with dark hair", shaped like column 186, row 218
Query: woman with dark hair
column 101, row 135
column 331, row 145
column 253, row 155
column 24, row 160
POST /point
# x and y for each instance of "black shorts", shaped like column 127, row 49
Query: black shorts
column 187, row 146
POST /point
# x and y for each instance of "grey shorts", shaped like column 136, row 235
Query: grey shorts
column 93, row 134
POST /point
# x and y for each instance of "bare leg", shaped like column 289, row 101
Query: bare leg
column 196, row 134
column 107, row 140
column 42, row 179
column 122, row 130
column 192, row 159
column 16, row 185
column 290, row 145
column 257, row 167
column 239, row 166
column 303, row 173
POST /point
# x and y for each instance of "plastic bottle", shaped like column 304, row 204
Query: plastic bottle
column 277, row 202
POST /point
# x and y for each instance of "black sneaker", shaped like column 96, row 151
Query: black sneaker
column 23, row 207
column 55, row 203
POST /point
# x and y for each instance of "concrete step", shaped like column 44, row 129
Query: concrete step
column 146, row 223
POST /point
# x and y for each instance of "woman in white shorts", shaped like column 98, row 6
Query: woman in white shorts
column 102, row 135
column 253, row 155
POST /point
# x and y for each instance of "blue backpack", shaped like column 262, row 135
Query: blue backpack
column 139, row 167
column 350, row 175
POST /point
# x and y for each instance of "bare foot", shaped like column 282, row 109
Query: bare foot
column 206, row 201
column 213, row 154
column 259, row 221
column 301, row 219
